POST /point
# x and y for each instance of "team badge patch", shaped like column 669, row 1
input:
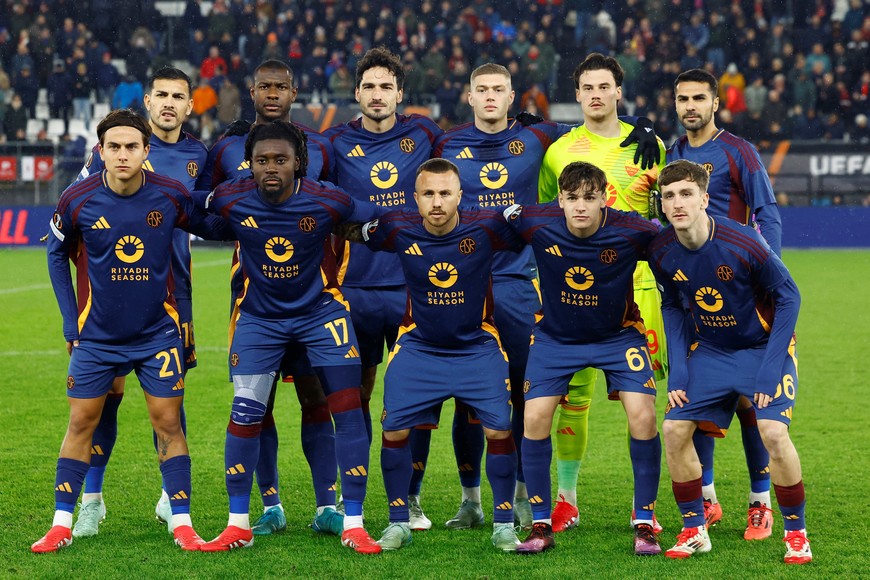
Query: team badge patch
column 407, row 145
column 383, row 415
column 725, row 273
column 307, row 224
column 607, row 256
column 467, row 246
column 516, row 147
column 708, row 167
column 527, row 384
column 154, row 218
column 192, row 168
column 57, row 221
column 631, row 169
column 70, row 382
column 234, row 359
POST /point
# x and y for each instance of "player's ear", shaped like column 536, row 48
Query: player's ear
column 356, row 94
column 189, row 108
column 399, row 95
column 561, row 200
column 715, row 104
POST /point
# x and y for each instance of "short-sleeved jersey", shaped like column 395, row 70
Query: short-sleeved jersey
column 739, row 184
column 380, row 168
column 739, row 293
column 282, row 246
column 183, row 161
column 500, row 169
column 226, row 160
column 586, row 283
column 119, row 246
column 449, row 276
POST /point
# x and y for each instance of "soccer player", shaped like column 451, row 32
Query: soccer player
column 376, row 159
column 282, row 222
column 723, row 278
column 447, row 346
column 587, row 254
column 273, row 92
column 117, row 228
column 598, row 84
column 172, row 153
column 739, row 189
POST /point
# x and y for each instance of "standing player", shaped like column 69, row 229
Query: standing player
column 376, row 159
column 172, row 153
column 598, row 84
column 117, row 228
column 447, row 346
column 586, row 254
column 282, row 223
column 739, row 189
column 273, row 93
column 743, row 305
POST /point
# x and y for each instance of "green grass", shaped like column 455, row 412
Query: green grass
column 828, row 430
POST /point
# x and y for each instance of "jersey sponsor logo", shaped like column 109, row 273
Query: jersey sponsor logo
column 725, row 273
column 608, row 256
column 250, row 222
column 279, row 249
column 414, row 250
column 243, row 166
column 101, row 224
column 443, row 275
column 467, row 246
column 493, row 175
column 154, row 218
column 70, row 382
column 407, row 145
column 579, row 278
column 465, row 154
column 384, row 175
column 307, row 224
column 680, row 277
column 709, row 299
column 129, row 249
column 516, row 147
column 708, row 167
column 234, row 359
column 357, row 151
column 192, row 168
column 554, row 249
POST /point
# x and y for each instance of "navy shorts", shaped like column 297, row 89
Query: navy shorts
column 376, row 314
column 516, row 302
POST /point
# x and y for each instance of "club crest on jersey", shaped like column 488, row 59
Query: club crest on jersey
column 234, row 359
column 307, row 224
column 709, row 299
column 443, row 275
column 725, row 273
column 631, row 168
column 70, row 382
column 154, row 218
column 607, row 256
column 384, row 175
column 579, row 278
column 516, row 147
column 493, row 175
column 708, row 167
column 407, row 145
column 611, row 194
column 129, row 249
column 279, row 249
column 467, row 246
column 192, row 168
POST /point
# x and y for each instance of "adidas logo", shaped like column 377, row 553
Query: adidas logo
column 465, row 467
column 179, row 385
column 65, row 486
column 179, row 495
column 554, row 250
column 765, row 470
column 650, row 507
column 397, row 503
column 791, row 517
column 352, row 353
column 235, row 469
column 147, row 165
column 689, row 515
column 356, row 152
column 243, row 166
column 566, row 431
column 250, row 222
column 787, row 413
column 650, row 384
column 505, row 505
column 536, row 500
column 359, row 470
column 414, row 250
column 465, row 154
column 332, row 487
column 96, row 450
column 270, row 491
column 419, row 466
column 101, row 224
column 680, row 277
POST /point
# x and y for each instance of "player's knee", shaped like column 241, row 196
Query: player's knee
column 677, row 434
column 775, row 437
column 247, row 411
column 493, row 436
column 538, row 417
column 400, row 436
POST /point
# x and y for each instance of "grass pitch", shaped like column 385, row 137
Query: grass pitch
column 828, row 430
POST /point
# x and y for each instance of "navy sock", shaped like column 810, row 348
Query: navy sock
column 501, row 471
column 68, row 479
column 420, row 441
column 705, row 446
column 538, row 455
column 468, row 445
column 351, row 447
column 690, row 502
column 396, row 468
column 367, row 417
column 267, row 463
column 646, row 463
column 757, row 457
column 792, row 502
column 318, row 445
column 102, row 443
column 241, row 453
column 176, row 478
column 518, row 405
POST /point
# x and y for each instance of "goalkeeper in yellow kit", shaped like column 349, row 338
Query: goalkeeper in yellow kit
column 598, row 84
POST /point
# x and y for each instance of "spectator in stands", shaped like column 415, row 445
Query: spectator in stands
column 755, row 94
column 27, row 86
column 818, row 55
column 775, row 109
column 193, row 20
column 315, row 69
column 835, row 130
column 341, row 85
column 22, row 59
column 59, row 91
column 106, row 78
column 81, row 93
column 5, row 92
column 860, row 132
column 434, row 65
column 15, row 119
column 128, row 94
column 861, row 93
column 806, row 124
column 229, row 105
column 138, row 60
column 220, row 20
column 213, row 65
column 731, row 86
column 205, row 101
column 535, row 97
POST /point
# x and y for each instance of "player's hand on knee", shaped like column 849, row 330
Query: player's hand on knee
column 677, row 398
column 762, row 400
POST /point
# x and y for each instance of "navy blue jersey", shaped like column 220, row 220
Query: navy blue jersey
column 587, row 288
column 119, row 246
column 500, row 169
column 739, row 294
column 226, row 160
column 739, row 185
column 380, row 168
column 183, row 161
column 449, row 276
column 282, row 246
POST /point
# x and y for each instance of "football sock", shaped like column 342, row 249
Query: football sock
column 518, row 406
column 267, row 463
column 646, row 463
column 704, row 446
column 318, row 445
column 176, row 478
column 68, row 480
column 501, row 470
column 367, row 417
column 757, row 457
column 572, row 430
column 102, row 443
column 396, row 469
column 351, row 446
column 690, row 502
column 420, row 440
column 468, row 446
column 763, row 498
column 471, row 494
column 521, row 492
column 792, row 502
column 241, row 453
column 538, row 454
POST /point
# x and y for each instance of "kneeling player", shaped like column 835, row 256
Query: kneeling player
column 743, row 304
column 586, row 254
